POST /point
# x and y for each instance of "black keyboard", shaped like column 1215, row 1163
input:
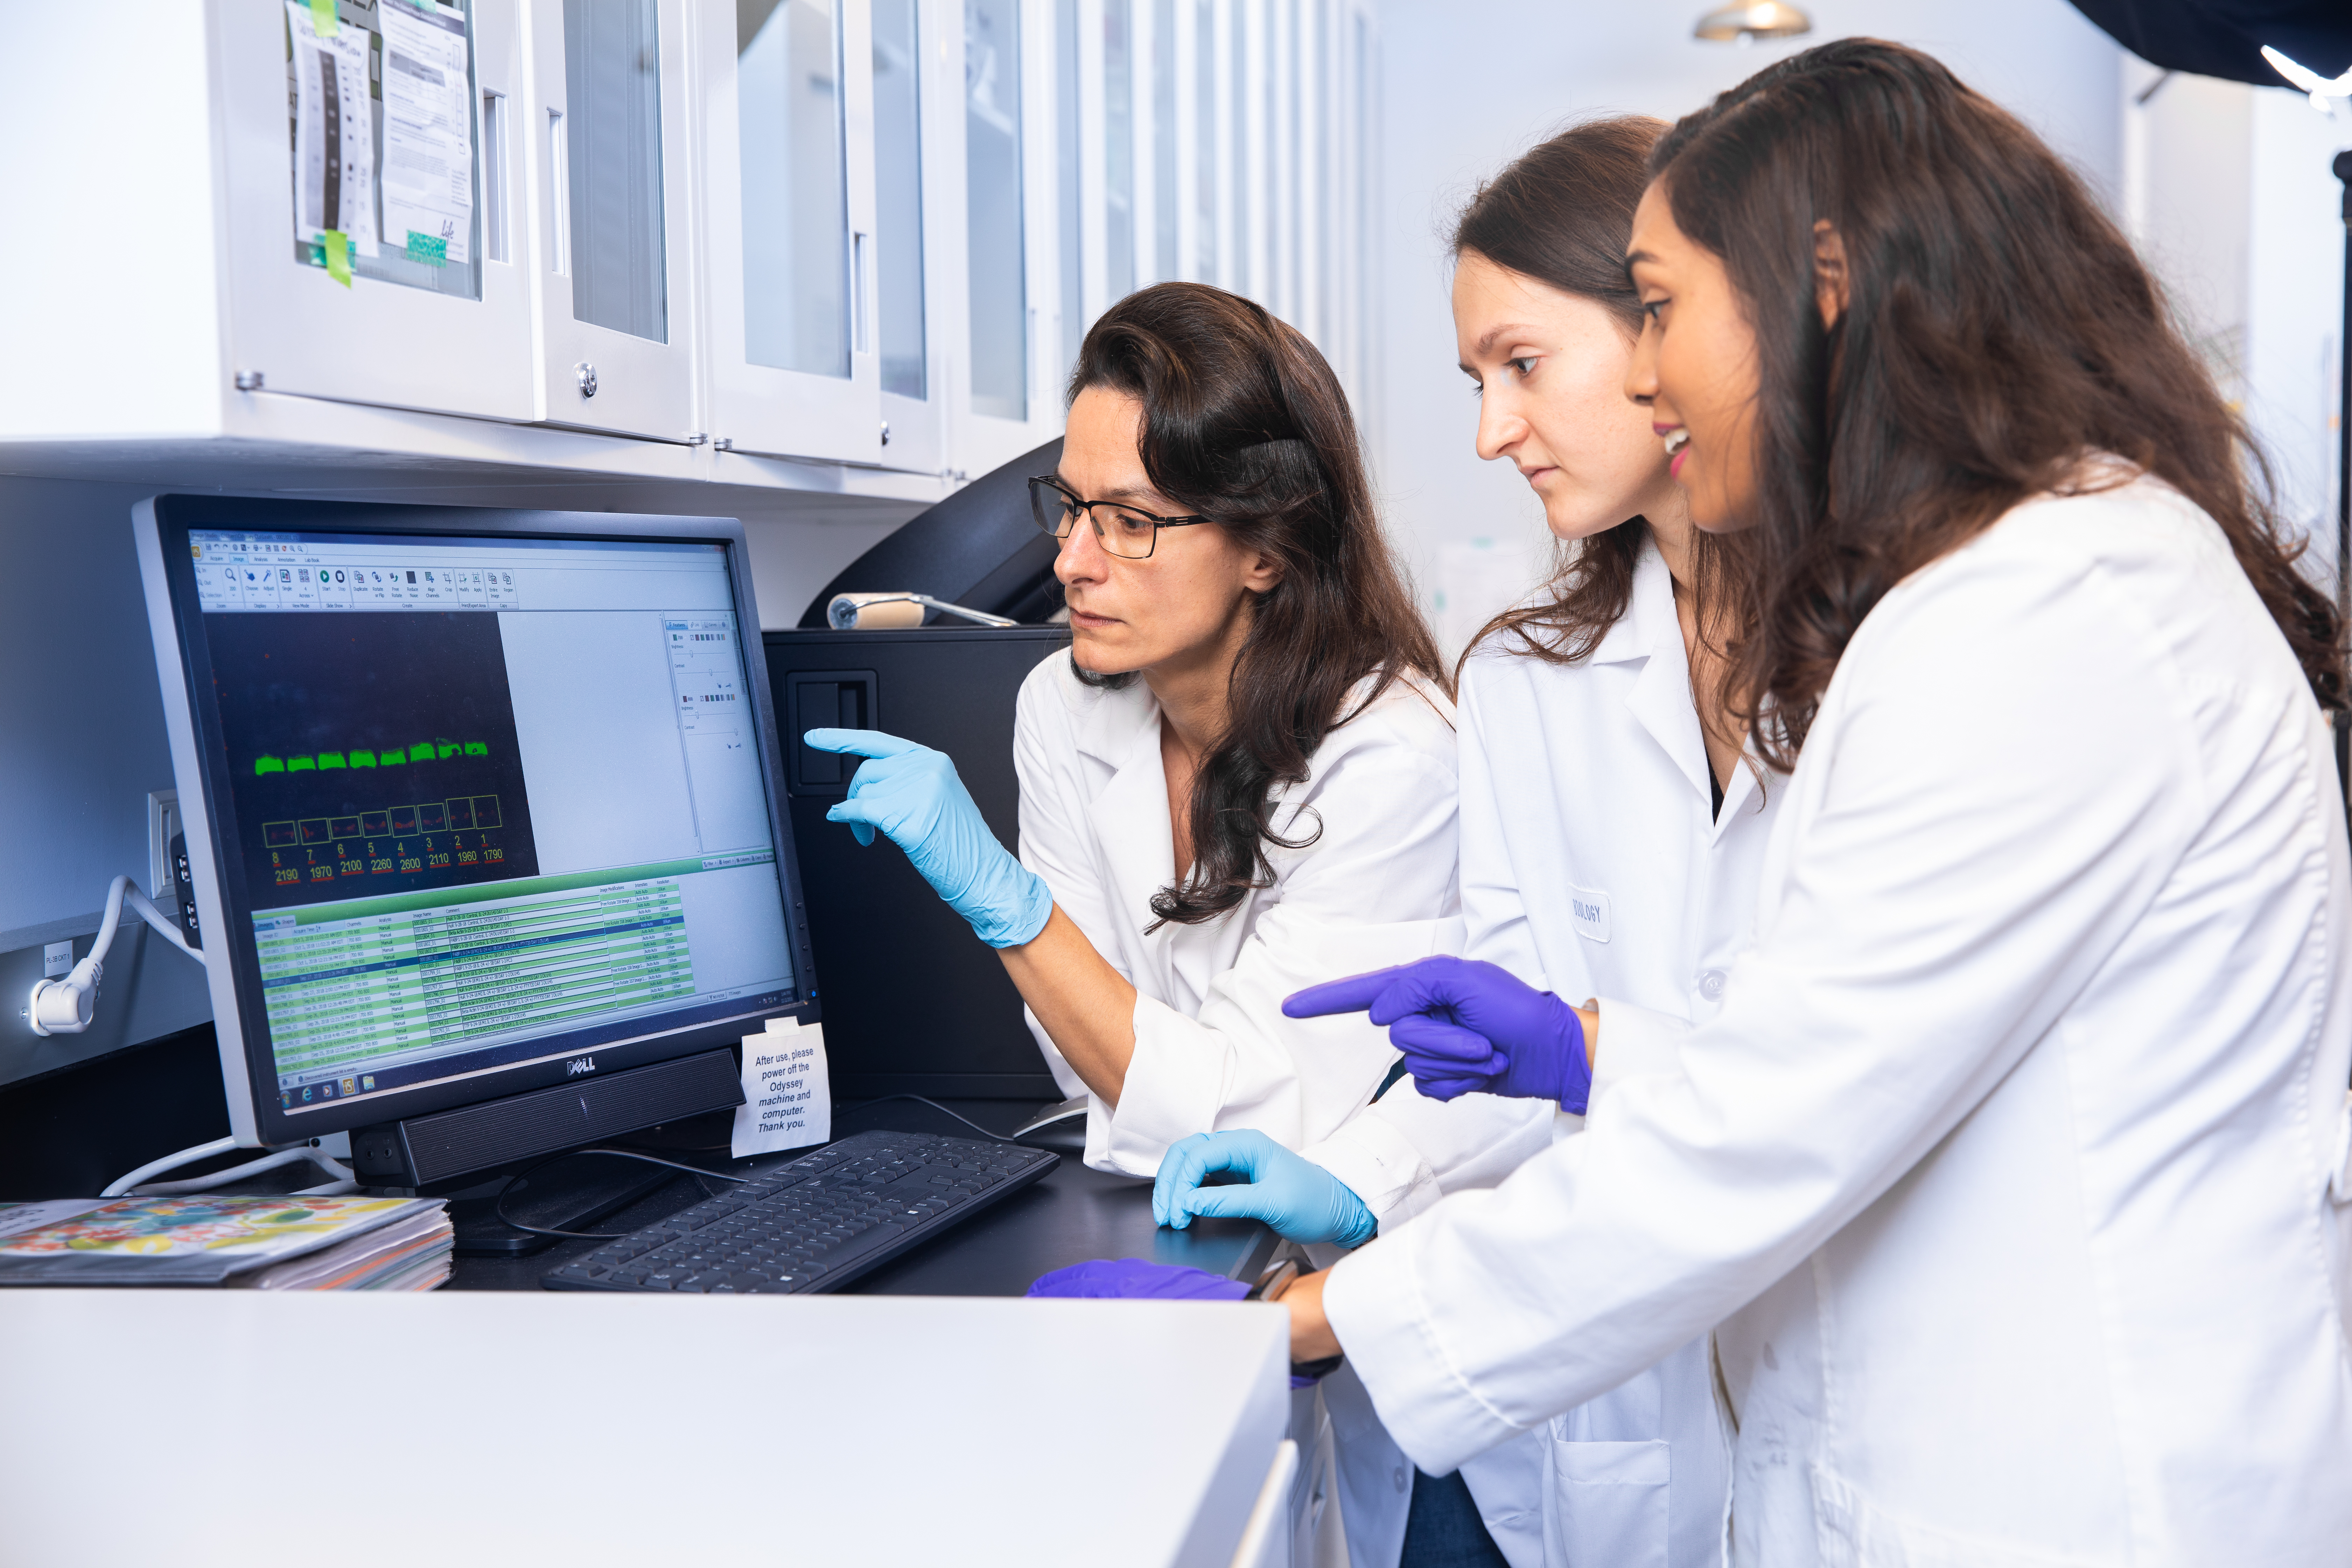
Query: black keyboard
column 815, row 1223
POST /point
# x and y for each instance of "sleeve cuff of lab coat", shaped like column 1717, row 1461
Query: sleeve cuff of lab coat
column 1635, row 1042
column 1170, row 1092
column 1380, row 1165
column 1375, row 1305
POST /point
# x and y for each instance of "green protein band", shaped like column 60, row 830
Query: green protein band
column 338, row 244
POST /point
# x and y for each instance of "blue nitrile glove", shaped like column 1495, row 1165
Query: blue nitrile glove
column 1133, row 1279
column 1300, row 1199
column 912, row 795
column 1466, row 1027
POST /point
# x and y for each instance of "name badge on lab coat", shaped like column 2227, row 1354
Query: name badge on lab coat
column 1589, row 909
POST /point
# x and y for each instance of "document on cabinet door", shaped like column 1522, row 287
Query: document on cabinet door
column 429, row 136
column 787, row 1094
column 334, row 133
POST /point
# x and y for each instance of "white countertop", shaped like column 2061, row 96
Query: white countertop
column 231, row 1426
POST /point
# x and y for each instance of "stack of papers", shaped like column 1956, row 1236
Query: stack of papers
column 260, row 1243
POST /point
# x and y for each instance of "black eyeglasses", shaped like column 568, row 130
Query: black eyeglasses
column 1124, row 530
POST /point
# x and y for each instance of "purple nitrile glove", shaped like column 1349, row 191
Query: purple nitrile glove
column 1466, row 1027
column 1133, row 1279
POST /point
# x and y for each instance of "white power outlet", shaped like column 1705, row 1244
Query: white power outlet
column 162, row 826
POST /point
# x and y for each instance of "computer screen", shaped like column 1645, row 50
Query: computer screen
column 481, row 802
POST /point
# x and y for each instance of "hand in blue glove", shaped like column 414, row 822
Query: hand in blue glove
column 1300, row 1199
column 912, row 795
column 1467, row 1027
column 1133, row 1279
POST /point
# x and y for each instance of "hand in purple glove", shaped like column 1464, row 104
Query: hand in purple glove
column 1467, row 1027
column 1133, row 1279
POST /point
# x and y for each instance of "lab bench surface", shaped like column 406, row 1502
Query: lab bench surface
column 1071, row 1215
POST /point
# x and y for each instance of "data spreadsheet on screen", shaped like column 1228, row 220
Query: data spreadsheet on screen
column 486, row 793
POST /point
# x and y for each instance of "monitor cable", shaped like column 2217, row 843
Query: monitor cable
column 935, row 1105
column 498, row 1203
column 63, row 1006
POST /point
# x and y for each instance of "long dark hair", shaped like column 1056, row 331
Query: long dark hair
column 1998, row 329
column 1561, row 213
column 1245, row 424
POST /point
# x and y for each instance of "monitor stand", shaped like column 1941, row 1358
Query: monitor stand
column 568, row 1194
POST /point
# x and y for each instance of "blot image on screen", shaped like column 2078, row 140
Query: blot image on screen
column 372, row 753
column 494, row 801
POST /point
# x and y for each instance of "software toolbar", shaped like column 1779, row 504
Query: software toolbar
column 237, row 572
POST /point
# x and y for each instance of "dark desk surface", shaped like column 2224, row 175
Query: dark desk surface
column 1071, row 1215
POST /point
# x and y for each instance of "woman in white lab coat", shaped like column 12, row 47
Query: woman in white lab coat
column 1239, row 777
column 2012, row 1163
column 1611, row 828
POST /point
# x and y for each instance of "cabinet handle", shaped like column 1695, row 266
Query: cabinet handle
column 860, row 296
column 494, row 176
column 559, row 195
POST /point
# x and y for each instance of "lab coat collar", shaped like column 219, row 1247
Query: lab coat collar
column 1649, row 613
column 1660, row 699
column 1130, row 813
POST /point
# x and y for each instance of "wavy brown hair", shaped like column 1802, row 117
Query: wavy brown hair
column 1561, row 213
column 1245, row 424
column 1997, row 328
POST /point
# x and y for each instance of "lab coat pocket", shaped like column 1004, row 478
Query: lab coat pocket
column 1609, row 1503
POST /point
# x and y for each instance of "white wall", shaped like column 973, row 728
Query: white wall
column 2228, row 191
column 1466, row 89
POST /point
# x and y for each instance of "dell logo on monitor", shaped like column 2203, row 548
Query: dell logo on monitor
column 579, row 1065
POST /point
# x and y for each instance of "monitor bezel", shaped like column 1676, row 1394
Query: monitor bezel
column 200, row 764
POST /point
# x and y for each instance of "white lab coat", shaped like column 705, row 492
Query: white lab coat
column 1592, row 865
column 1375, row 886
column 2013, row 1166
column 1212, row 1051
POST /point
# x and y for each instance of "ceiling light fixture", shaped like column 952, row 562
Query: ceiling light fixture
column 1762, row 19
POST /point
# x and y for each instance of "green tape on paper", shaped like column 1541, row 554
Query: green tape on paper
column 338, row 246
column 430, row 248
column 323, row 20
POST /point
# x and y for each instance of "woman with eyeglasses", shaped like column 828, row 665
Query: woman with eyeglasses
column 1240, row 778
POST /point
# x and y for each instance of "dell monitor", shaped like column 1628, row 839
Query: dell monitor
column 482, row 817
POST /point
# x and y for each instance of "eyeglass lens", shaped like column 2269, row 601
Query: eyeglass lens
column 1123, row 532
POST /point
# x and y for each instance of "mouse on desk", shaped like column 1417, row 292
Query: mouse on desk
column 1061, row 1128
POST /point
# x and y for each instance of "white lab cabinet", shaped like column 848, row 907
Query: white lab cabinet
column 845, row 247
column 449, row 338
column 918, row 82
column 787, row 120
column 607, row 108
column 1005, row 368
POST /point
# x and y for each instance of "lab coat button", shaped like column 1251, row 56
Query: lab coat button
column 1398, row 1476
column 1710, row 985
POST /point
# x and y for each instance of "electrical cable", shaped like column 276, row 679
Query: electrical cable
column 136, row 1184
column 63, row 1006
column 943, row 1111
column 498, row 1203
column 189, row 1156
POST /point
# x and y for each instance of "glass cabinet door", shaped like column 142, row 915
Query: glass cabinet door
column 787, row 92
column 909, row 48
column 606, row 138
column 368, row 206
column 1007, row 225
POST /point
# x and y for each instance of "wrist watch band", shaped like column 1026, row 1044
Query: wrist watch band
column 1271, row 1287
